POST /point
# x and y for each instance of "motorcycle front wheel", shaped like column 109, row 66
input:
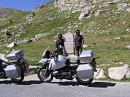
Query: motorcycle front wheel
column 44, row 75
column 84, row 81
column 19, row 79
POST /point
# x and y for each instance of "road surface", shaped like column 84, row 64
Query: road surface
column 32, row 87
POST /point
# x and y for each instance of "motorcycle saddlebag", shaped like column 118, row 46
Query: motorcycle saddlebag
column 85, row 71
column 86, row 56
column 12, row 71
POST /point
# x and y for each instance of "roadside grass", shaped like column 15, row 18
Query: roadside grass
column 107, row 49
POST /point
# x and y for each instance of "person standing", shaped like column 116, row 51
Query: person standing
column 60, row 44
column 79, row 41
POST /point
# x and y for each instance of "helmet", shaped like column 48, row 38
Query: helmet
column 77, row 32
column 59, row 35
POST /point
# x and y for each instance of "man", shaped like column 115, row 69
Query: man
column 60, row 44
column 79, row 41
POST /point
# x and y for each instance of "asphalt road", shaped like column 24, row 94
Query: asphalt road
column 32, row 87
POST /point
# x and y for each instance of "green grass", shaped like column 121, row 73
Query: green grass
column 16, row 19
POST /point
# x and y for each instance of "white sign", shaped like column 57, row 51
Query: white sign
column 69, row 43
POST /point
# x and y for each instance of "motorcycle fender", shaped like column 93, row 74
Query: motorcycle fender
column 85, row 71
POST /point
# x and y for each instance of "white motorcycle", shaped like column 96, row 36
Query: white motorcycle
column 60, row 67
column 15, row 67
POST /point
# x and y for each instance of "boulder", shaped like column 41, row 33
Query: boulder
column 13, row 44
column 128, row 74
column 99, row 74
column 101, row 12
column 121, row 6
column 63, row 5
column 128, row 47
column 128, row 30
column 96, row 1
column 85, row 12
column 2, row 56
column 128, row 9
column 118, row 73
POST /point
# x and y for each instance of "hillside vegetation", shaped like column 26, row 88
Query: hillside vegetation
column 8, row 11
column 106, row 34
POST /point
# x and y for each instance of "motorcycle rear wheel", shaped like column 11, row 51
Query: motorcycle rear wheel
column 20, row 79
column 44, row 75
column 84, row 81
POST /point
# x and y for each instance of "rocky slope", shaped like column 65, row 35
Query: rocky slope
column 8, row 11
column 88, row 7
column 102, row 16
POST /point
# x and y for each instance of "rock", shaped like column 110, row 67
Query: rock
column 118, row 73
column 119, row 63
column 117, row 0
column 117, row 38
column 101, row 12
column 121, row 6
column 2, row 56
column 108, row 3
column 128, row 9
column 96, row 1
column 64, row 5
column 128, row 47
column 13, row 44
column 128, row 74
column 99, row 74
column 128, row 30
column 85, row 12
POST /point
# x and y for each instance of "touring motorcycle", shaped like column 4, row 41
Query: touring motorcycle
column 15, row 67
column 60, row 67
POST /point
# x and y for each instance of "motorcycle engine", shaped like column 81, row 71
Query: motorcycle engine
column 62, row 75
column 2, row 74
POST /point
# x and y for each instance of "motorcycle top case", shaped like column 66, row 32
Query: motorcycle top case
column 85, row 71
column 12, row 71
column 86, row 56
column 14, row 56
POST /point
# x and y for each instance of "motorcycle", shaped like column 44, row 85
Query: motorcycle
column 60, row 67
column 15, row 67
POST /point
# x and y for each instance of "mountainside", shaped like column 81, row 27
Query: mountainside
column 104, row 24
column 8, row 11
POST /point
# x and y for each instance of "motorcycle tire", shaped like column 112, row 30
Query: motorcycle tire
column 84, row 81
column 20, row 79
column 44, row 75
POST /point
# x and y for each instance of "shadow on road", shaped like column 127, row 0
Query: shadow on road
column 64, row 83
column 30, row 82
column 23, row 83
column 6, row 82
column 95, row 84
column 102, row 84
